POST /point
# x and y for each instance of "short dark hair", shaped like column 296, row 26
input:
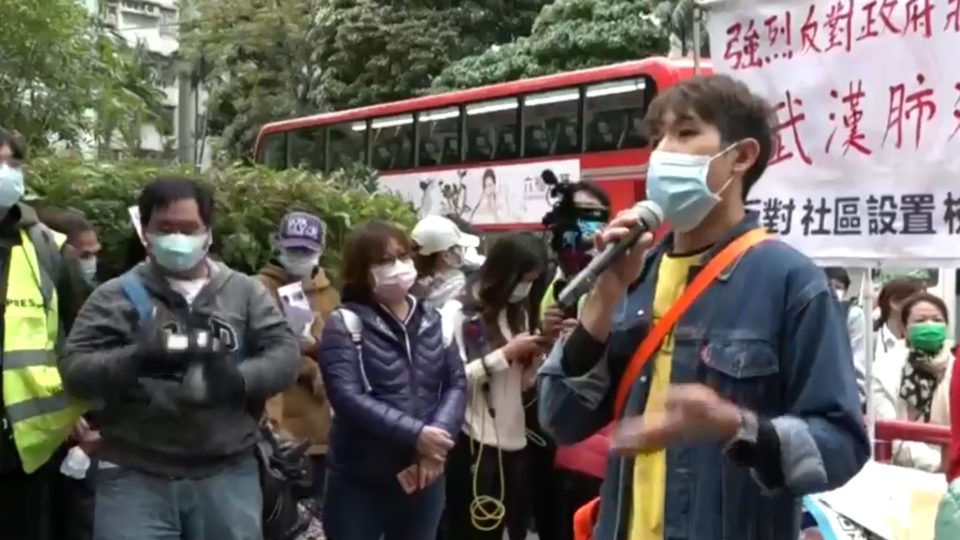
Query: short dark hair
column 68, row 222
column 16, row 143
column 726, row 103
column 919, row 298
column 165, row 190
column 591, row 188
column 364, row 248
column 839, row 274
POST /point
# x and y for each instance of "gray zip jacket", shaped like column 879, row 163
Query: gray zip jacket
column 144, row 422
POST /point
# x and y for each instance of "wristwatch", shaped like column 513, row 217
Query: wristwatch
column 741, row 449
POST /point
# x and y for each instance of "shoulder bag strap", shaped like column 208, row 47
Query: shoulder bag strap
column 700, row 283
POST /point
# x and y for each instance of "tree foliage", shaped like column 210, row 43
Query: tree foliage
column 254, row 57
column 59, row 67
column 567, row 35
column 270, row 59
column 249, row 204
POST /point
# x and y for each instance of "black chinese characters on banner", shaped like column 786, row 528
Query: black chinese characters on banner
column 875, row 215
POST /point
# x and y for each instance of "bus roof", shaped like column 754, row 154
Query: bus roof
column 666, row 71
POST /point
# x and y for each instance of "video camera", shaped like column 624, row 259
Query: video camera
column 571, row 228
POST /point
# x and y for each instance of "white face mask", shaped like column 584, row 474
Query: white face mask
column 392, row 282
column 841, row 295
column 298, row 264
column 520, row 292
column 11, row 185
column 88, row 270
column 453, row 257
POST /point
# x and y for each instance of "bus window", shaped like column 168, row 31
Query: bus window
column 439, row 135
column 392, row 142
column 492, row 130
column 614, row 115
column 274, row 153
column 550, row 123
column 306, row 148
column 347, row 144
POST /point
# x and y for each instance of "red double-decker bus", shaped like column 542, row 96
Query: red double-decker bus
column 479, row 153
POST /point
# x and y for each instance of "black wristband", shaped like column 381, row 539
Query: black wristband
column 581, row 352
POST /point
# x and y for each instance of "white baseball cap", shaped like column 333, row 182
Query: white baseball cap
column 436, row 233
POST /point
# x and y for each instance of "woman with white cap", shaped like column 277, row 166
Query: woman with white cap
column 442, row 252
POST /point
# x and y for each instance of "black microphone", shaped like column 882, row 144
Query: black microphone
column 651, row 216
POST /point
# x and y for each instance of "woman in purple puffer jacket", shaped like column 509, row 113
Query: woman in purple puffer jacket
column 397, row 394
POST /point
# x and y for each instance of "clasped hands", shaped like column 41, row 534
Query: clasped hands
column 433, row 445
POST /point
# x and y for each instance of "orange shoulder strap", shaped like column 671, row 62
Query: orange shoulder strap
column 704, row 278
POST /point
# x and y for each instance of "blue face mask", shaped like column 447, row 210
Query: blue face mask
column 678, row 183
column 178, row 252
column 11, row 185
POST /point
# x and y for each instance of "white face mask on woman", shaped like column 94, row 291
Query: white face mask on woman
column 392, row 281
column 520, row 292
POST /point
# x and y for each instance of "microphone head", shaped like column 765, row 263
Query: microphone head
column 651, row 214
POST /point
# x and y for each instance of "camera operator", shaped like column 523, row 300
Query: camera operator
column 580, row 212
column 182, row 352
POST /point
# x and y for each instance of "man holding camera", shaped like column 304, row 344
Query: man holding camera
column 748, row 401
column 562, row 473
column 180, row 354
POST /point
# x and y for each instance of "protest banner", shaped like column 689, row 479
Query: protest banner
column 865, row 165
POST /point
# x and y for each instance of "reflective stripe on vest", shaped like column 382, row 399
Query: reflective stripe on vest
column 36, row 405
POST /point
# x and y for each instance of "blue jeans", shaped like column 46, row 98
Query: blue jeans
column 134, row 506
column 357, row 511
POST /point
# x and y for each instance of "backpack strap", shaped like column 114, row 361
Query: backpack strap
column 651, row 343
column 354, row 325
column 137, row 294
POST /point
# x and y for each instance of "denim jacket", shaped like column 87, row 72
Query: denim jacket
column 768, row 335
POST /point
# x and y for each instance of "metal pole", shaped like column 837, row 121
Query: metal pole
column 866, row 296
column 696, row 39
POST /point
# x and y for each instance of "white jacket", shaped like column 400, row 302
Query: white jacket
column 508, row 431
column 887, row 373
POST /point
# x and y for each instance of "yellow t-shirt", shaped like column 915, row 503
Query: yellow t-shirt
column 650, row 468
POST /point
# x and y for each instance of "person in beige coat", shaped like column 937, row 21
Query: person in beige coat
column 917, row 388
column 303, row 412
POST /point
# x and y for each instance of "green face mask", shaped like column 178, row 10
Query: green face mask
column 927, row 337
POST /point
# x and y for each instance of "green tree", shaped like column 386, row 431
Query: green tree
column 567, row 35
column 58, row 66
column 270, row 59
column 679, row 17
column 254, row 57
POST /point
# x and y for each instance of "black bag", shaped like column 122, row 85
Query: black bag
column 284, row 481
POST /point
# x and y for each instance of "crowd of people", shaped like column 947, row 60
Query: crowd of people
column 441, row 393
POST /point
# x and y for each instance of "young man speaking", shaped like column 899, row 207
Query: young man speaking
column 749, row 401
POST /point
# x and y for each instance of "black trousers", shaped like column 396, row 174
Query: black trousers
column 27, row 505
column 543, row 497
column 575, row 490
column 462, row 464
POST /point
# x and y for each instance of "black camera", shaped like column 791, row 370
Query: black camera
column 571, row 228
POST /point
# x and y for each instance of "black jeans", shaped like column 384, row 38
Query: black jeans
column 27, row 504
column 460, row 480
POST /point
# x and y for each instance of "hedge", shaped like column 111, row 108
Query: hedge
column 249, row 204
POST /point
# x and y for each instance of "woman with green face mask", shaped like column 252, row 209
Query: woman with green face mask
column 919, row 385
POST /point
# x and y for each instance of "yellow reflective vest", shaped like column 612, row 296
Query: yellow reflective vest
column 37, row 408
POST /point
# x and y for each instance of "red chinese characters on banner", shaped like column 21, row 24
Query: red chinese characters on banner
column 793, row 107
column 918, row 106
column 808, row 32
column 743, row 46
column 919, row 18
column 877, row 18
column 780, row 26
column 853, row 116
column 953, row 16
column 839, row 23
